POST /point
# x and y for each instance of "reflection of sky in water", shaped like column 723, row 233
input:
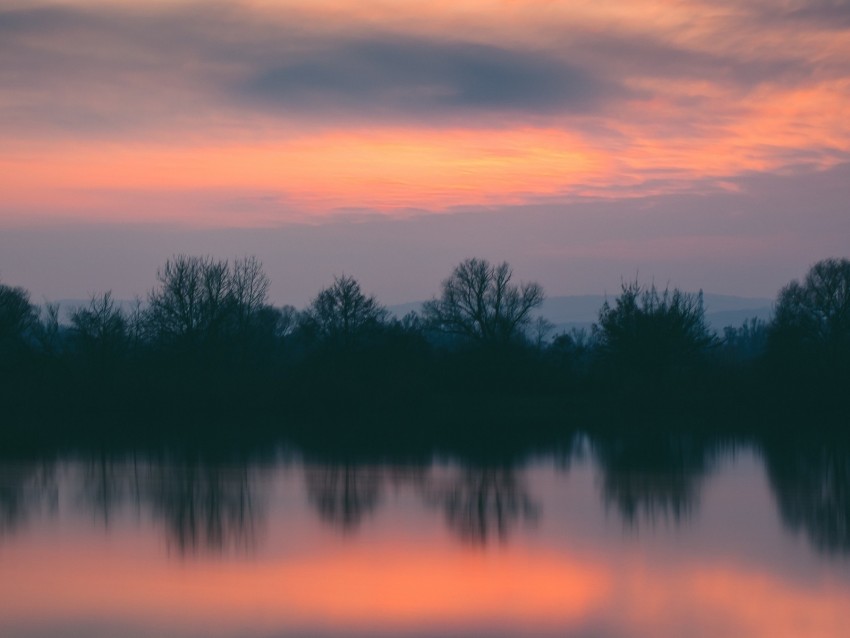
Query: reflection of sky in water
column 610, row 542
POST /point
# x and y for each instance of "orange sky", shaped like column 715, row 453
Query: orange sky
column 330, row 105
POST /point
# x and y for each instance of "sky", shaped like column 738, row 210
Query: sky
column 701, row 143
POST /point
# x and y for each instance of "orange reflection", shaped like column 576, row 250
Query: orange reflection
column 777, row 609
column 727, row 600
column 368, row 586
column 405, row 586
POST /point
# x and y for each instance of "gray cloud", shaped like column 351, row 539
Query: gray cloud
column 119, row 71
column 219, row 58
column 421, row 76
column 831, row 14
column 38, row 19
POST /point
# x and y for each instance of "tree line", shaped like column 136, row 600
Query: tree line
column 207, row 336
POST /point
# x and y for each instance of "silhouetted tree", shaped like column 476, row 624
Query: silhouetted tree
column 100, row 329
column 541, row 328
column 191, row 303
column 573, row 350
column 270, row 330
column 283, row 318
column 812, row 318
column 478, row 302
column 258, row 327
column 651, row 331
column 18, row 319
column 341, row 314
column 48, row 331
column 746, row 342
column 249, row 286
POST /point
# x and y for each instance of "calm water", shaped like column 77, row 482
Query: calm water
column 602, row 538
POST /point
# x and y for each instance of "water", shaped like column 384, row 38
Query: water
column 603, row 537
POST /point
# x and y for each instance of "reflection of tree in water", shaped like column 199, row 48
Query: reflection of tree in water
column 24, row 489
column 344, row 494
column 481, row 504
column 652, row 477
column 811, row 483
column 206, row 507
column 107, row 484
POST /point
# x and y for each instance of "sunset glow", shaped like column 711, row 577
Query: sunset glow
column 378, row 589
column 424, row 318
column 322, row 108
column 401, row 587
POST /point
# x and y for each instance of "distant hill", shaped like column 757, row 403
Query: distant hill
column 581, row 311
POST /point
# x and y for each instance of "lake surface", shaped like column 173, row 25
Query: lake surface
column 603, row 537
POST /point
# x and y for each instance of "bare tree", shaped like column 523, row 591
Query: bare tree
column 249, row 287
column 191, row 301
column 479, row 302
column 341, row 312
column 100, row 328
column 48, row 333
column 136, row 319
column 217, row 296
